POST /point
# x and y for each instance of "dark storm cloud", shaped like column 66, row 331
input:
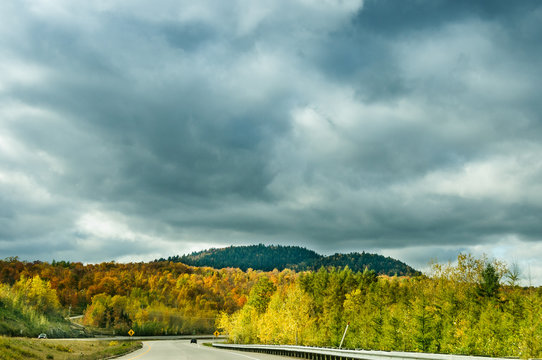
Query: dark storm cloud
column 424, row 15
column 132, row 132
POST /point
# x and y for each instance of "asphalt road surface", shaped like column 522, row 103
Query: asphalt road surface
column 183, row 350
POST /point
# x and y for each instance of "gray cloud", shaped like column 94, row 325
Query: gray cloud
column 130, row 131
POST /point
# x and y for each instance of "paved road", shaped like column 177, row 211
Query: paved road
column 183, row 350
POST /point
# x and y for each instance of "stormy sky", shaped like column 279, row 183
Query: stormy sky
column 132, row 130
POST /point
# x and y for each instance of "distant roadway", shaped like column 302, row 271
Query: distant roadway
column 184, row 350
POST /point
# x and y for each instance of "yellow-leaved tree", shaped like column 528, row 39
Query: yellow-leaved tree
column 37, row 294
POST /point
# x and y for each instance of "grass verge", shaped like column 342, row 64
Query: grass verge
column 21, row 348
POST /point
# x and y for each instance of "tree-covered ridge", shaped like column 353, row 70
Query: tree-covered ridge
column 259, row 257
column 267, row 258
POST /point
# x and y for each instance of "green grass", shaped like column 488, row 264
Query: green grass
column 14, row 323
column 21, row 348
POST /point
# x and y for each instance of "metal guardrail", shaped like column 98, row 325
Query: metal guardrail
column 316, row 353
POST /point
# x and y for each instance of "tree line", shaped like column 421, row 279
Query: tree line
column 150, row 298
column 474, row 307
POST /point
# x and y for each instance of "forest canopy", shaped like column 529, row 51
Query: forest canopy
column 151, row 298
column 473, row 306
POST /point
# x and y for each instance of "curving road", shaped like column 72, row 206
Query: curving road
column 183, row 350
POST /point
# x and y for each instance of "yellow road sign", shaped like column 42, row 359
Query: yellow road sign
column 131, row 332
column 216, row 333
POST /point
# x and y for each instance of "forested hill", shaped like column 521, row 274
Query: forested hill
column 384, row 265
column 258, row 257
column 267, row 258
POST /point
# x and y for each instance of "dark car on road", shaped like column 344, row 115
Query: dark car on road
column 193, row 341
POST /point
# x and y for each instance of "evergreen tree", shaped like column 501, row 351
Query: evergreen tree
column 489, row 282
column 261, row 293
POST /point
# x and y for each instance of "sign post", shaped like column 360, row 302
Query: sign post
column 131, row 332
column 216, row 333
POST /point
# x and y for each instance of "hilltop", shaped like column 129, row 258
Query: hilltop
column 267, row 258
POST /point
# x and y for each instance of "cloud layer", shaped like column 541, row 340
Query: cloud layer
column 131, row 130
